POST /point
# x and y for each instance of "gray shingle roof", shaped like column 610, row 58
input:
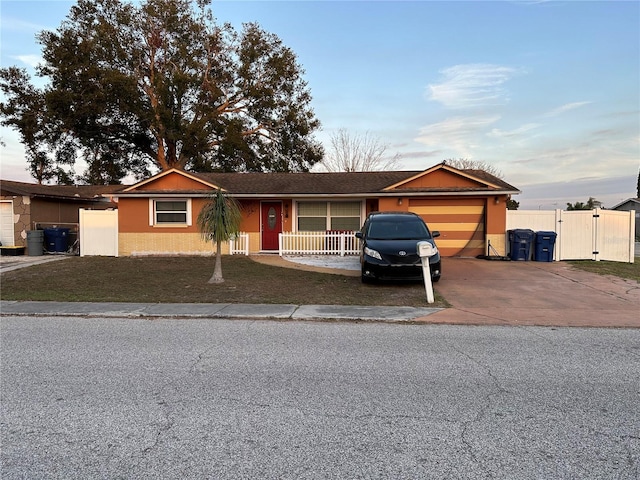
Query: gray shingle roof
column 331, row 183
column 68, row 192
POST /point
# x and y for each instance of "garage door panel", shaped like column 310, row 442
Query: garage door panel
column 459, row 221
column 448, row 210
column 451, row 248
column 475, row 218
column 446, row 202
column 453, row 227
column 452, row 235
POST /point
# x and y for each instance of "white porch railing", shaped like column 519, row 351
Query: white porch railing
column 319, row 243
column 239, row 245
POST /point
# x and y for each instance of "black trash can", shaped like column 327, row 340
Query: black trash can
column 35, row 242
column 56, row 239
column 545, row 242
column 520, row 241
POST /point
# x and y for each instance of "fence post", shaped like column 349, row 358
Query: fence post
column 558, row 248
column 632, row 235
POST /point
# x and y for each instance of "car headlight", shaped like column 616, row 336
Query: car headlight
column 372, row 253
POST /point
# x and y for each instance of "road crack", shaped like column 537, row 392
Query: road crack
column 482, row 411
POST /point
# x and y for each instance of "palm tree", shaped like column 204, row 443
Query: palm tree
column 219, row 220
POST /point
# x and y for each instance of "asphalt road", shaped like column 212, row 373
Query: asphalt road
column 133, row 398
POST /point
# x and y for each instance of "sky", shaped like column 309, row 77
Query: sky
column 546, row 92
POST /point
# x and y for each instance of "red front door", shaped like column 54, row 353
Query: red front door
column 271, row 225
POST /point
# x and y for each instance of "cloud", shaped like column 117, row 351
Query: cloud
column 472, row 85
column 457, row 135
column 565, row 108
column 31, row 60
column 551, row 195
column 497, row 133
column 419, row 155
column 455, row 127
column 11, row 24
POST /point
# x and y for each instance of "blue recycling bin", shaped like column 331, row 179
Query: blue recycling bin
column 544, row 245
column 56, row 240
column 520, row 241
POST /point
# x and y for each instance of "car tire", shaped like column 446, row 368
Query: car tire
column 435, row 279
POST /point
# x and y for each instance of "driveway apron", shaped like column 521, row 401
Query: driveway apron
column 534, row 293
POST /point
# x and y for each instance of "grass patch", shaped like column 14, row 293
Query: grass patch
column 618, row 269
column 184, row 280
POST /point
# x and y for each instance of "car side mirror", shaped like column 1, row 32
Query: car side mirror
column 435, row 234
column 359, row 235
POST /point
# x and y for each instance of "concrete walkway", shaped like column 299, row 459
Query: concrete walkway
column 10, row 263
column 219, row 310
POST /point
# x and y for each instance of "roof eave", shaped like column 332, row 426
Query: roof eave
column 628, row 200
column 395, row 194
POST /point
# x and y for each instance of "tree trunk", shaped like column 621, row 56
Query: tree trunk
column 217, row 269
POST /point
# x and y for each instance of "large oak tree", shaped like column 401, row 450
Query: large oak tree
column 160, row 85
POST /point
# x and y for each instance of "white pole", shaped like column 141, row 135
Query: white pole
column 426, row 251
column 428, row 285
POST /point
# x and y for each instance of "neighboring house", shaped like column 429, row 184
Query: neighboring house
column 158, row 215
column 628, row 205
column 29, row 206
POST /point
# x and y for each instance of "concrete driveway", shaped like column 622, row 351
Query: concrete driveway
column 534, row 293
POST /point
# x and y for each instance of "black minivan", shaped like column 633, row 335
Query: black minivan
column 389, row 247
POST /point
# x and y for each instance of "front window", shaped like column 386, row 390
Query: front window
column 312, row 216
column 319, row 216
column 171, row 212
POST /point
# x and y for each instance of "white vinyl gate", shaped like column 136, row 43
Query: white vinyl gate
column 98, row 233
column 582, row 234
column 575, row 239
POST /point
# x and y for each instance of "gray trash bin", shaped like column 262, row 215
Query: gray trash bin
column 35, row 242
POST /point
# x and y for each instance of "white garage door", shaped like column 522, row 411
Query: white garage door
column 6, row 223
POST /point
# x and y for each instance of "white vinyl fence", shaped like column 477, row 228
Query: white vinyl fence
column 98, row 232
column 319, row 243
column 582, row 234
column 239, row 245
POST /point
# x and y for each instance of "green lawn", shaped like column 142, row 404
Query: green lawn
column 184, row 280
column 618, row 269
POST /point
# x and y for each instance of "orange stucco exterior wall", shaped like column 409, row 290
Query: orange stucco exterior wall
column 440, row 179
column 175, row 183
column 134, row 216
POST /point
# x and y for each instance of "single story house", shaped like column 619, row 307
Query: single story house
column 628, row 205
column 158, row 216
column 29, row 206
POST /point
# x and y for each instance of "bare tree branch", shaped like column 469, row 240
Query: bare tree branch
column 358, row 153
column 467, row 164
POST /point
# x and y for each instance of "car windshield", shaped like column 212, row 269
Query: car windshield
column 393, row 230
